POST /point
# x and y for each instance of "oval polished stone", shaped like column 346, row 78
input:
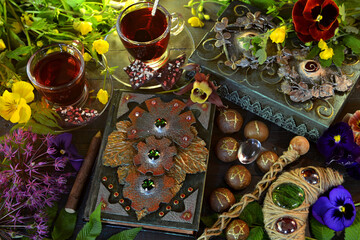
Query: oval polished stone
column 288, row 196
column 310, row 175
column 285, row 225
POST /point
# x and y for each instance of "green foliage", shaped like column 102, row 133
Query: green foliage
column 352, row 232
column 51, row 213
column 129, row 234
column 353, row 43
column 257, row 233
column 92, row 229
column 209, row 220
column 320, row 231
column 64, row 225
column 339, row 55
column 252, row 214
column 313, row 52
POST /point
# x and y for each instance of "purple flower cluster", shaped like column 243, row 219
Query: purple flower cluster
column 337, row 145
column 31, row 179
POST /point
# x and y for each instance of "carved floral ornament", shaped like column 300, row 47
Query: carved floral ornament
column 153, row 153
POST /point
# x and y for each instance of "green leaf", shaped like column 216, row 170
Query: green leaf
column 353, row 43
column 352, row 232
column 351, row 29
column 129, row 234
column 44, row 120
column 252, row 215
column 64, row 225
column 339, row 55
column 92, row 229
column 51, row 213
column 261, row 55
column 321, row 231
column 38, row 128
column 263, row 4
column 313, row 52
column 342, row 12
column 74, row 4
column 18, row 53
column 325, row 63
column 209, row 220
column 256, row 233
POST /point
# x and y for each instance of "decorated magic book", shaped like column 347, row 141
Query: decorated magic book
column 151, row 168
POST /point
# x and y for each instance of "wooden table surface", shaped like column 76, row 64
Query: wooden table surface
column 278, row 140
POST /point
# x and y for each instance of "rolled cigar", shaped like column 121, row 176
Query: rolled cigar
column 83, row 174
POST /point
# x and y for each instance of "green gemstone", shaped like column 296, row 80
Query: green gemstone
column 148, row 184
column 288, row 196
column 154, row 154
column 160, row 123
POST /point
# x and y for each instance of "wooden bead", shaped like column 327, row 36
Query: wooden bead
column 229, row 121
column 226, row 149
column 300, row 144
column 221, row 199
column 256, row 130
column 237, row 230
column 238, row 177
column 266, row 160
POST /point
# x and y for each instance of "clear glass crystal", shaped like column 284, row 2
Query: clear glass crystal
column 249, row 151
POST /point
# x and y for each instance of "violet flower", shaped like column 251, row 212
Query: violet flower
column 336, row 211
column 61, row 147
column 337, row 144
column 30, row 181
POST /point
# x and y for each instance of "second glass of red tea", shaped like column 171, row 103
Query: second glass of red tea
column 145, row 37
column 58, row 73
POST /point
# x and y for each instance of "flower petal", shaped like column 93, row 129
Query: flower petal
column 301, row 24
column 318, row 34
column 24, row 111
column 320, row 207
column 338, row 195
column 24, row 89
column 332, row 221
column 312, row 9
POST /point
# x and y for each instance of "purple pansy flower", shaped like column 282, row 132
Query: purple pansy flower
column 61, row 147
column 336, row 211
column 337, row 144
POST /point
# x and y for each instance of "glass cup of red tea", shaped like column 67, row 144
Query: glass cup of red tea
column 146, row 37
column 58, row 72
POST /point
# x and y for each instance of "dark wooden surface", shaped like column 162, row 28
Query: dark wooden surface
column 277, row 141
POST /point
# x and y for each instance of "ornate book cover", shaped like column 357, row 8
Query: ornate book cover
column 288, row 89
column 151, row 168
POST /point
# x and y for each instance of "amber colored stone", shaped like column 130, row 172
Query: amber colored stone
column 237, row 230
column 266, row 160
column 310, row 175
column 256, row 130
column 238, row 177
column 285, row 225
column 226, row 149
column 221, row 199
column 229, row 121
column 300, row 144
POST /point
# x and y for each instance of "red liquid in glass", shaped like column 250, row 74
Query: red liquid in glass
column 140, row 26
column 58, row 69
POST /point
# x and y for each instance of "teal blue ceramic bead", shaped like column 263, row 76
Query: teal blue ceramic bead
column 288, row 196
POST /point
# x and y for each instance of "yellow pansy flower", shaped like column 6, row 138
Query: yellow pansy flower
column 103, row 96
column 278, row 35
column 2, row 45
column 322, row 44
column 13, row 105
column 16, row 27
column 85, row 27
column 200, row 92
column 87, row 57
column 39, row 43
column 195, row 22
column 327, row 53
column 101, row 46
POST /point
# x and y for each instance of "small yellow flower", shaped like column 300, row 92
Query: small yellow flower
column 322, row 44
column 278, row 35
column 55, row 31
column 13, row 105
column 2, row 45
column 16, row 27
column 39, row 43
column 327, row 53
column 200, row 92
column 98, row 18
column 87, row 57
column 195, row 22
column 26, row 18
column 103, row 96
column 101, row 46
column 85, row 28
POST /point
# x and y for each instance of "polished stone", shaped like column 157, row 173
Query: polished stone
column 288, row 196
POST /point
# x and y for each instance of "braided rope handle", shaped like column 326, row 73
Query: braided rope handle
column 298, row 146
